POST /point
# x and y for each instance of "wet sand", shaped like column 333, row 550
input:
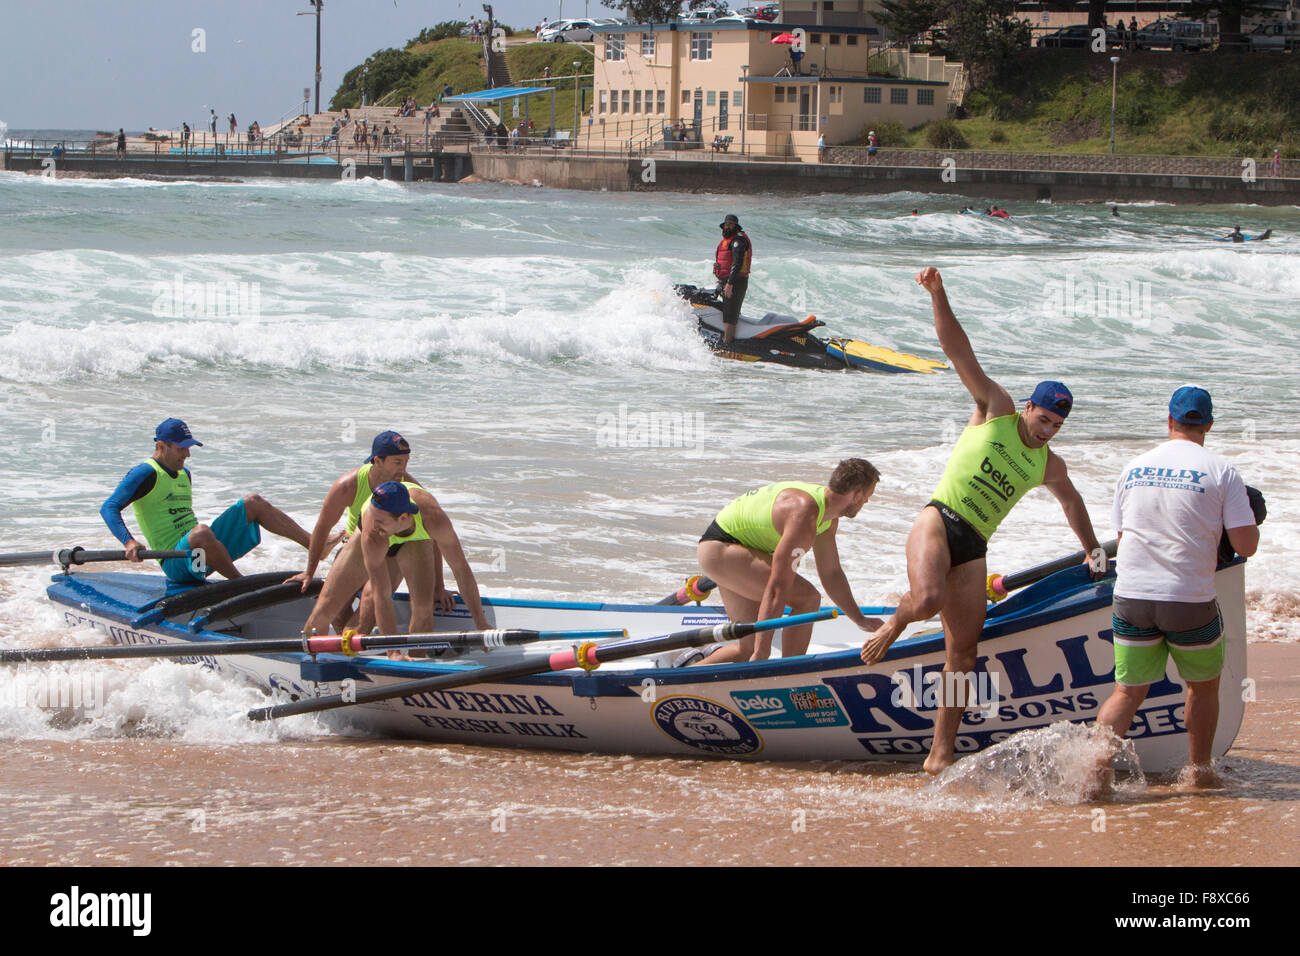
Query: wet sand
column 366, row 802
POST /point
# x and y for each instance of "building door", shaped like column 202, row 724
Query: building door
column 699, row 109
column 805, row 102
column 722, row 109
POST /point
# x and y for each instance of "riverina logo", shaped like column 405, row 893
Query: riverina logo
column 76, row 909
column 183, row 299
column 707, row 726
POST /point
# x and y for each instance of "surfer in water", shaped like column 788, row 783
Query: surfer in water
column 999, row 457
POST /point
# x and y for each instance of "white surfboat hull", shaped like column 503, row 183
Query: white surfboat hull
column 1046, row 655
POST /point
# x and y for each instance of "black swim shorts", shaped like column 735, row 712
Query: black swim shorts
column 964, row 542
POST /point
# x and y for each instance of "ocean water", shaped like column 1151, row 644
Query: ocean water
column 564, row 411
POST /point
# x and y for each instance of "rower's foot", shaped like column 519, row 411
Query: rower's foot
column 1100, row 784
column 935, row 764
column 1199, row 777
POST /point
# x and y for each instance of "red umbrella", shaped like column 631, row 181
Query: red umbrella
column 785, row 38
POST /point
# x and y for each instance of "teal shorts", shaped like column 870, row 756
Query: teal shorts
column 237, row 535
column 1142, row 648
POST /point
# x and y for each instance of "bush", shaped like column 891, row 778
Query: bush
column 944, row 134
column 889, row 132
column 997, row 136
column 443, row 31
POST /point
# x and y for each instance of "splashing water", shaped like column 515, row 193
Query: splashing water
column 1054, row 764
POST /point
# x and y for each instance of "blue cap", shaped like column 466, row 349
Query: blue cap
column 1191, row 405
column 176, row 432
column 1053, row 397
column 393, row 497
column 388, row 443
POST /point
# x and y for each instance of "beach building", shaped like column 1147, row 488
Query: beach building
column 689, row 85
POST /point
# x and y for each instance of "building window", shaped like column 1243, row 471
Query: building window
column 828, row 6
column 710, row 98
column 835, row 39
column 780, row 94
column 614, row 46
column 604, row 101
column 686, row 97
column 737, row 98
column 898, row 96
column 648, row 45
column 627, row 100
column 815, row 38
column 701, row 46
column 659, row 102
column 925, row 97
column 871, row 94
column 852, row 39
column 636, row 101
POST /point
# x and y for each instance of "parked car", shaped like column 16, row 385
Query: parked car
column 769, row 12
column 705, row 14
column 1282, row 35
column 569, row 31
column 1176, row 35
column 1079, row 35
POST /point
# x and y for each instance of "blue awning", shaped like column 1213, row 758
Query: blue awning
column 501, row 93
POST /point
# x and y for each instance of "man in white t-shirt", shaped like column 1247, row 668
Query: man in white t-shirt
column 1171, row 507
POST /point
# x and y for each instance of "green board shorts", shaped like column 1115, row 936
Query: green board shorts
column 1148, row 633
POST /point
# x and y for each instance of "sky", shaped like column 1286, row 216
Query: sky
column 101, row 64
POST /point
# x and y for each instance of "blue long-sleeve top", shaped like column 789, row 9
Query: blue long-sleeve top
column 139, row 481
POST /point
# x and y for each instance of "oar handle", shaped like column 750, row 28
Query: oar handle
column 999, row 586
column 66, row 557
column 695, row 589
column 587, row 656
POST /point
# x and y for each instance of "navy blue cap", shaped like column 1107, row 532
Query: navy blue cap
column 393, row 497
column 1053, row 397
column 1191, row 405
column 388, row 443
column 176, row 432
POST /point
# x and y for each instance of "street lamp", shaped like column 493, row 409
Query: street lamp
column 576, row 128
column 1114, row 67
column 319, row 5
column 744, row 104
column 365, row 80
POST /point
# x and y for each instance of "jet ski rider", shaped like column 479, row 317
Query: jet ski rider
column 731, row 266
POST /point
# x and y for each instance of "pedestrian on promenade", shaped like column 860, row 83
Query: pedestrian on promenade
column 121, row 144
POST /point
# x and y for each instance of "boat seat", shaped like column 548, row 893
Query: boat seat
column 751, row 328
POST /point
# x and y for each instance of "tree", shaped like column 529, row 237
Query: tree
column 646, row 11
column 1229, row 13
column 983, row 34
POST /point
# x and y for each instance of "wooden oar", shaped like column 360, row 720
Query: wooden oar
column 329, row 644
column 999, row 586
column 588, row 657
column 695, row 589
column 66, row 557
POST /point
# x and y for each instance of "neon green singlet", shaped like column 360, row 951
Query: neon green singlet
column 418, row 534
column 362, row 496
column 166, row 513
column 748, row 518
column 989, row 471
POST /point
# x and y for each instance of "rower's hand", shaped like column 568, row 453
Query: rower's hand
column 132, row 550
column 875, row 647
column 340, row 537
column 1096, row 563
column 444, row 600
column 930, row 280
column 726, row 291
column 302, row 577
column 870, row 624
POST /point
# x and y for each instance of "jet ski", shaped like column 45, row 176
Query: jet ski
column 787, row 340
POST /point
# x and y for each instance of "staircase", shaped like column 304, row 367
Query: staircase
column 498, row 71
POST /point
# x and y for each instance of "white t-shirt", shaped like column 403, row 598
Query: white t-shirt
column 1172, row 505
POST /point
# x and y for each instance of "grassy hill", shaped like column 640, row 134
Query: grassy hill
column 1205, row 104
column 424, row 69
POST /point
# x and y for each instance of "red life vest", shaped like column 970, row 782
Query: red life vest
column 722, row 258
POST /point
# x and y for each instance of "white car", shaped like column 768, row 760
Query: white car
column 569, row 31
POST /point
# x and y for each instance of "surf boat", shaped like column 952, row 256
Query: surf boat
column 1045, row 655
column 787, row 340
